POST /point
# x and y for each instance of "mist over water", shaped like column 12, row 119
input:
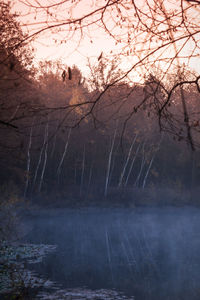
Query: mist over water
column 148, row 253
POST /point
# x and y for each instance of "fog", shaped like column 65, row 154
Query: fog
column 148, row 253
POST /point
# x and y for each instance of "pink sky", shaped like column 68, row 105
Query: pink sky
column 71, row 52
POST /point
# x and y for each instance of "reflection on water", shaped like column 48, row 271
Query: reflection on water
column 149, row 253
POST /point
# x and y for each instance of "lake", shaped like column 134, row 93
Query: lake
column 145, row 253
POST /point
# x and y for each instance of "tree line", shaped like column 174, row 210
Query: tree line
column 96, row 137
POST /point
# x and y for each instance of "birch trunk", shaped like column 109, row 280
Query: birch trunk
column 39, row 159
column 131, row 166
column 113, row 160
column 147, row 172
column 126, row 162
column 64, row 154
column 109, row 163
column 45, row 157
column 151, row 162
column 141, row 166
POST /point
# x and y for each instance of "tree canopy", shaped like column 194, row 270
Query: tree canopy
column 159, row 40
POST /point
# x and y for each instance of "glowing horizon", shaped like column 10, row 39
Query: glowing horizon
column 76, row 50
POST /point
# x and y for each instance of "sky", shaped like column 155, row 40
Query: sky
column 73, row 49
column 71, row 52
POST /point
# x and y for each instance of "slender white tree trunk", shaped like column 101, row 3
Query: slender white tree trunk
column 45, row 157
column 131, row 166
column 39, row 159
column 113, row 161
column 64, row 154
column 147, row 172
column 109, row 163
column 126, row 162
column 141, row 166
column 151, row 162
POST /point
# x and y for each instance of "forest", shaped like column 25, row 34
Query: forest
column 102, row 141
column 61, row 145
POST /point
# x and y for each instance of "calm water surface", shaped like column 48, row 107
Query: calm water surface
column 147, row 253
